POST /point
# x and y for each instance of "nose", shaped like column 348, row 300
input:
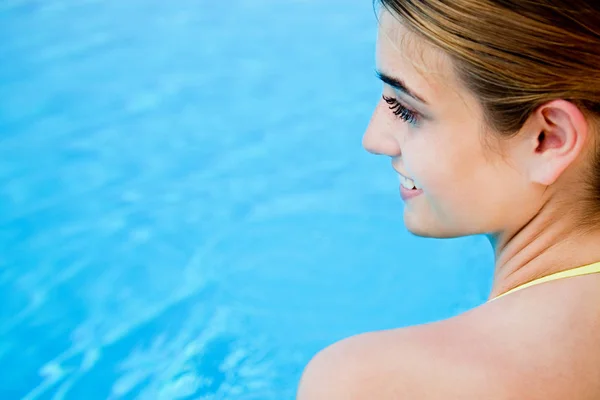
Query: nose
column 378, row 139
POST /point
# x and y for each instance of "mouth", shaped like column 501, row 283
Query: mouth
column 408, row 183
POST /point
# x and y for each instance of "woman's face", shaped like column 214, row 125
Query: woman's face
column 436, row 136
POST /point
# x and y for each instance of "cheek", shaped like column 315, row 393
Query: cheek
column 450, row 174
column 429, row 163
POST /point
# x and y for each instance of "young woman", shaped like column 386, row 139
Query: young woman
column 490, row 114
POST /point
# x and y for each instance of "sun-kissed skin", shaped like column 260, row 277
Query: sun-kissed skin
column 542, row 342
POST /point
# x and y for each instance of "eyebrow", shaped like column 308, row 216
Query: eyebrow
column 399, row 85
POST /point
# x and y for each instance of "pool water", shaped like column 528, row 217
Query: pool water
column 186, row 211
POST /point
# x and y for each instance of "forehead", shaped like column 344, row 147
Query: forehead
column 425, row 69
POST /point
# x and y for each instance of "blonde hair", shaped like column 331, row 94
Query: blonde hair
column 516, row 55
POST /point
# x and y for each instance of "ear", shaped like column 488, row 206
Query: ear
column 561, row 130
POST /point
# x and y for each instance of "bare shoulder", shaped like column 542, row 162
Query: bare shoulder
column 498, row 351
column 424, row 362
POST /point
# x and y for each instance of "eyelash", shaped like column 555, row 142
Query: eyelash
column 401, row 111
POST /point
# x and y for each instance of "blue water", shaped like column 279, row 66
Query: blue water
column 186, row 211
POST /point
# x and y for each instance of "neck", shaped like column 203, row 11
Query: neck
column 544, row 246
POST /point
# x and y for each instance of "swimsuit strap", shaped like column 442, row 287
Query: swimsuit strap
column 585, row 270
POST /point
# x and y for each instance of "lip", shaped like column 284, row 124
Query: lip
column 405, row 193
column 400, row 173
column 408, row 194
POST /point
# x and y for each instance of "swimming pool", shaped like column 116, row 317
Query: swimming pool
column 186, row 210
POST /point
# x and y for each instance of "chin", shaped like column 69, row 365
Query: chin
column 430, row 230
column 434, row 234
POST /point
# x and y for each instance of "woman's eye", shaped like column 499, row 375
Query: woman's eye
column 401, row 111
